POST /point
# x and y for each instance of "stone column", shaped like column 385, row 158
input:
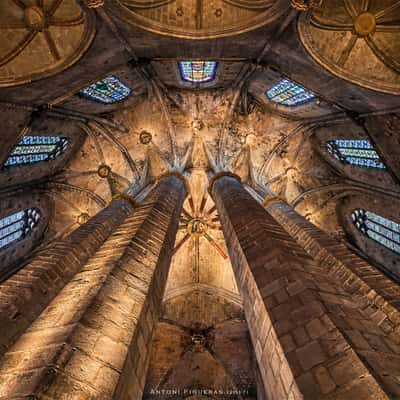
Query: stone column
column 312, row 339
column 356, row 275
column 28, row 292
column 94, row 339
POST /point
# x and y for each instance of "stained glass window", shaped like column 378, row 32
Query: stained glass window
column 32, row 149
column 290, row 94
column 382, row 230
column 198, row 71
column 17, row 226
column 107, row 91
column 355, row 152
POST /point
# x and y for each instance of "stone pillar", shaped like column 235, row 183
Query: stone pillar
column 94, row 339
column 28, row 292
column 356, row 275
column 312, row 339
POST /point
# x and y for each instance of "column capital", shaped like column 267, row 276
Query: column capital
column 178, row 175
column 219, row 175
column 126, row 197
column 270, row 198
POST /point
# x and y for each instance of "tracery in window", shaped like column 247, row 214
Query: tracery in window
column 17, row 226
column 198, row 71
column 380, row 229
column 360, row 153
column 107, row 91
column 33, row 149
column 289, row 94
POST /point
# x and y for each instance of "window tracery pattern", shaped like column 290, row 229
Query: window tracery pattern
column 33, row 149
column 198, row 71
column 289, row 94
column 380, row 229
column 17, row 226
column 360, row 153
column 109, row 90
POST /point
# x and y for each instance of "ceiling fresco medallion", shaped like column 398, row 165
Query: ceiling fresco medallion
column 199, row 224
column 199, row 19
column 41, row 38
column 356, row 40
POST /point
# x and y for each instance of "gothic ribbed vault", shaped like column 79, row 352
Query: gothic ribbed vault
column 272, row 88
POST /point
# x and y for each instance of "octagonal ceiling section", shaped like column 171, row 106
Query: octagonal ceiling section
column 358, row 41
column 38, row 39
column 199, row 19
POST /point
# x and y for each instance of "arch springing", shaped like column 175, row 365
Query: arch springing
column 380, row 229
column 17, row 226
column 198, row 71
column 356, row 152
column 33, row 149
column 289, row 94
column 109, row 90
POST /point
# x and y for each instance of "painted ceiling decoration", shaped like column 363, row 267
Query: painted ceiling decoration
column 35, row 36
column 200, row 224
column 199, row 19
column 345, row 36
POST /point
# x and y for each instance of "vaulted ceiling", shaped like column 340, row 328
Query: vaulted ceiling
column 346, row 52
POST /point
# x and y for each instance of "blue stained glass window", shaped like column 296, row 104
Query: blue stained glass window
column 360, row 153
column 17, row 226
column 198, row 71
column 289, row 94
column 33, row 149
column 380, row 229
column 107, row 91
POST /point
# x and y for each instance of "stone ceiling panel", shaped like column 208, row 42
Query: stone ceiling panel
column 199, row 19
column 356, row 41
column 41, row 39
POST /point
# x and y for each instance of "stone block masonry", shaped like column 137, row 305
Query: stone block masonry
column 28, row 292
column 312, row 339
column 93, row 341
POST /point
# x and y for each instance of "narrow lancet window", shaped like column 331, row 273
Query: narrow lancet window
column 382, row 230
column 360, row 153
column 17, row 226
column 107, row 91
column 289, row 94
column 198, row 71
column 33, row 149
